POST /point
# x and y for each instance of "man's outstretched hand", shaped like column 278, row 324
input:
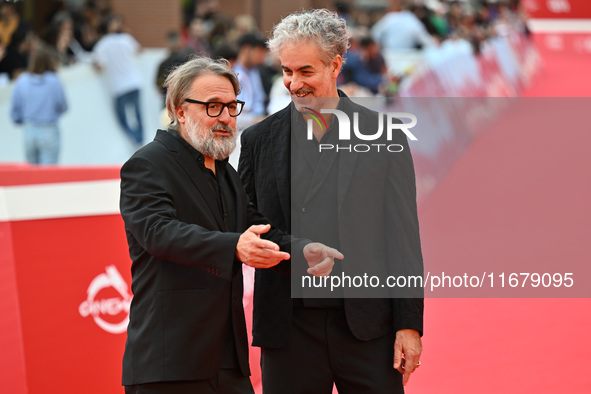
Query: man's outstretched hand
column 320, row 258
column 256, row 252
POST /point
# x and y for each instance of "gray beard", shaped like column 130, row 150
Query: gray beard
column 217, row 147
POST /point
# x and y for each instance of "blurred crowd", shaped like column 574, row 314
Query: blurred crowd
column 93, row 34
column 71, row 34
column 410, row 27
column 404, row 26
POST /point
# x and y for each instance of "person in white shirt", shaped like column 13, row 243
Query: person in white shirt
column 114, row 55
column 401, row 30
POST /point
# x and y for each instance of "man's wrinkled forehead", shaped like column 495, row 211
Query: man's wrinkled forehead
column 299, row 55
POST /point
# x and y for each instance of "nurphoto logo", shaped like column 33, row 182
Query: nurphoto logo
column 393, row 122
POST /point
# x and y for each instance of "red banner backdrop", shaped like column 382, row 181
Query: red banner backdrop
column 65, row 279
column 564, row 43
column 543, row 9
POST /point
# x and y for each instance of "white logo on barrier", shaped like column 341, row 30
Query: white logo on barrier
column 530, row 5
column 554, row 42
column 558, row 6
column 107, row 306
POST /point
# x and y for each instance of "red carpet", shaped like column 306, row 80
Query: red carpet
column 564, row 74
column 518, row 196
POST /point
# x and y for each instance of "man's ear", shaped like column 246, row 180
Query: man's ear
column 337, row 64
column 180, row 113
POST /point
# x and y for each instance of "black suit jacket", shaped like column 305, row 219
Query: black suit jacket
column 186, row 280
column 381, row 206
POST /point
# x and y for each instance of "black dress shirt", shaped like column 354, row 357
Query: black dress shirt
column 226, row 203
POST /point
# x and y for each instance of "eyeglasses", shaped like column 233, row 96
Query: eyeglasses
column 215, row 108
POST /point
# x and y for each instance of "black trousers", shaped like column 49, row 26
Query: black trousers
column 322, row 351
column 228, row 381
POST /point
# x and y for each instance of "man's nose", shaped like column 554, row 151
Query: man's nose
column 225, row 117
column 295, row 83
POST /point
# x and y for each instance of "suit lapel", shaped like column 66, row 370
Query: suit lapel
column 281, row 160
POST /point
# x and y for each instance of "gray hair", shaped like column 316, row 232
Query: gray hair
column 321, row 26
column 178, row 83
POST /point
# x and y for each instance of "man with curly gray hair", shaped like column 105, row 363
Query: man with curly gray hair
column 330, row 34
column 310, row 343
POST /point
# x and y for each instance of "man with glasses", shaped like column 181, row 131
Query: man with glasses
column 189, row 228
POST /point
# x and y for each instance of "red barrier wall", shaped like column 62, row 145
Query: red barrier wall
column 12, row 361
column 578, row 9
column 65, row 281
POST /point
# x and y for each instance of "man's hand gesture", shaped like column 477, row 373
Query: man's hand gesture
column 256, row 252
column 320, row 258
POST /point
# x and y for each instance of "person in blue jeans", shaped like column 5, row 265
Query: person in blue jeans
column 114, row 55
column 131, row 100
column 37, row 103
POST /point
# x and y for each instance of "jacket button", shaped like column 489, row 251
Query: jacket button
column 303, row 210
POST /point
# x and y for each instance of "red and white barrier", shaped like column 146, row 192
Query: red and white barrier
column 65, row 279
